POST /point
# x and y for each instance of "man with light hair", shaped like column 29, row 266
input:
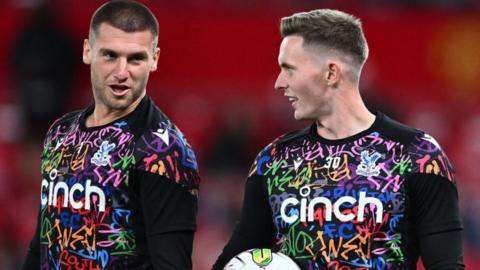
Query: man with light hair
column 355, row 189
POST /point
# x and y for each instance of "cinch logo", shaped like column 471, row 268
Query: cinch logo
column 307, row 211
column 69, row 193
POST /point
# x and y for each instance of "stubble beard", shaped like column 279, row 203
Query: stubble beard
column 116, row 104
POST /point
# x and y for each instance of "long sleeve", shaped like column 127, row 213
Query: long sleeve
column 169, row 212
column 255, row 228
column 32, row 260
column 437, row 221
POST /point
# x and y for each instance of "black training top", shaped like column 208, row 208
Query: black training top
column 376, row 200
column 118, row 196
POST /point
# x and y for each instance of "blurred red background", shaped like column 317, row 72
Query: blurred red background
column 215, row 80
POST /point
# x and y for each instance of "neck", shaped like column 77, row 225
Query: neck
column 348, row 116
column 103, row 115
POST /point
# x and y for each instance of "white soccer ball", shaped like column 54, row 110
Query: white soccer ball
column 261, row 259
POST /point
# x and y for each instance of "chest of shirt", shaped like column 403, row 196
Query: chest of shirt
column 78, row 167
column 358, row 183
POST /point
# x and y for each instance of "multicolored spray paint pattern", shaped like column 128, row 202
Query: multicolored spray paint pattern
column 85, row 221
column 341, row 206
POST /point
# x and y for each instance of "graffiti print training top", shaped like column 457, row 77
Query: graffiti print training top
column 117, row 196
column 376, row 200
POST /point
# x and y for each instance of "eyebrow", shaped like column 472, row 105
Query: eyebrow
column 286, row 66
column 138, row 55
column 135, row 55
column 103, row 50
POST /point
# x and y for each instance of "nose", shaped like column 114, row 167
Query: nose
column 121, row 70
column 281, row 83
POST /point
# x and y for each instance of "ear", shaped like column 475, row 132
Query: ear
column 87, row 52
column 333, row 72
column 156, row 55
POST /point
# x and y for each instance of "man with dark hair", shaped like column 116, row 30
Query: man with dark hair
column 119, row 180
column 355, row 190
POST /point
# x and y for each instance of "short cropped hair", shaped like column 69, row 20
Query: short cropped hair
column 330, row 28
column 127, row 15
